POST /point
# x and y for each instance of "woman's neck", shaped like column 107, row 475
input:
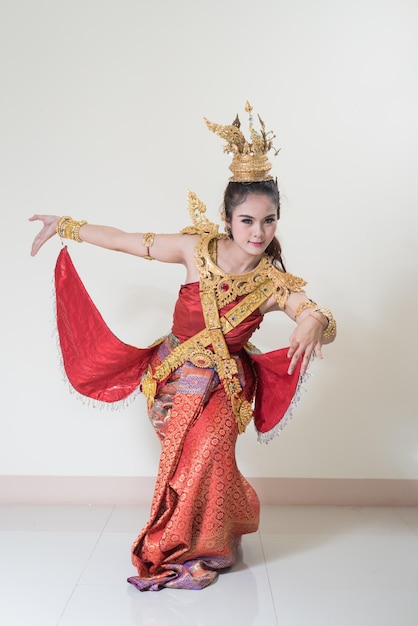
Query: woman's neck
column 232, row 260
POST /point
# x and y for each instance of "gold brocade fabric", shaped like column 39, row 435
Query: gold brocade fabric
column 202, row 504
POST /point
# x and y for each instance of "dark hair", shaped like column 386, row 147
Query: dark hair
column 237, row 193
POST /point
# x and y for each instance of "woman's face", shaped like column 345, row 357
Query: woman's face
column 253, row 223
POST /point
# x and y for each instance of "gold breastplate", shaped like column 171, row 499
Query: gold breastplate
column 228, row 287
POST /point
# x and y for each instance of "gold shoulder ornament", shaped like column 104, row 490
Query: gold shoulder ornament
column 284, row 283
column 200, row 223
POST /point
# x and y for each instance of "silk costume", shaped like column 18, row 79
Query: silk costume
column 202, row 505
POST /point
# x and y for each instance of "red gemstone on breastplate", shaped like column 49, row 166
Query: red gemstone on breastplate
column 224, row 287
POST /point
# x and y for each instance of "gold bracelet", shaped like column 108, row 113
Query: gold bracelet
column 331, row 328
column 307, row 304
column 148, row 241
column 68, row 228
column 60, row 224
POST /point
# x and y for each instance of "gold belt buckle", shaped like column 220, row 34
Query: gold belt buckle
column 201, row 358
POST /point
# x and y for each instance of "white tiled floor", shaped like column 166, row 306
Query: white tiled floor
column 307, row 566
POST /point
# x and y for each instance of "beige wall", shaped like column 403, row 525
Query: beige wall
column 101, row 117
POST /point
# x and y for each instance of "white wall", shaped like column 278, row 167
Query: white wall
column 102, row 109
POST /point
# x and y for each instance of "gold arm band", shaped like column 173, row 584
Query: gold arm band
column 148, row 241
column 68, row 228
column 303, row 306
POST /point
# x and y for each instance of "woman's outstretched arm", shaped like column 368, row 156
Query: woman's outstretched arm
column 171, row 248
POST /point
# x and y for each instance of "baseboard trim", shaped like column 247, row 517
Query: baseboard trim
column 271, row 491
column 337, row 491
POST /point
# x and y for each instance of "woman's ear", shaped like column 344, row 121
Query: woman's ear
column 228, row 229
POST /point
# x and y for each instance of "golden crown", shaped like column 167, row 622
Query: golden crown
column 250, row 162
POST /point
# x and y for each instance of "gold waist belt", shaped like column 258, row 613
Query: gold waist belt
column 195, row 351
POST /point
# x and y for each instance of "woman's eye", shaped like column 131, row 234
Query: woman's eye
column 246, row 220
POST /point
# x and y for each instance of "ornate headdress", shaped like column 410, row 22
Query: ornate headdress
column 250, row 162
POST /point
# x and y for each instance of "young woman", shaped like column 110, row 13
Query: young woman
column 204, row 381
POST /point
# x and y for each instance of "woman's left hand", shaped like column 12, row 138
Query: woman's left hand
column 305, row 341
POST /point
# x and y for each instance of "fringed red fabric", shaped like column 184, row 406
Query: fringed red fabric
column 276, row 389
column 98, row 365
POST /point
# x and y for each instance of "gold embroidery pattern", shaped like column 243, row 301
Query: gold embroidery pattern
column 183, row 352
column 226, row 366
column 228, row 287
column 149, row 386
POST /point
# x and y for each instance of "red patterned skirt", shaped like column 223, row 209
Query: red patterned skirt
column 202, row 504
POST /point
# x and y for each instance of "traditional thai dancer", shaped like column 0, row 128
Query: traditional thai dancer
column 204, row 381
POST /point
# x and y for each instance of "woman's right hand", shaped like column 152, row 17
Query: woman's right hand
column 48, row 230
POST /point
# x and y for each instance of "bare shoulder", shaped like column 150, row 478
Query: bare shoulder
column 173, row 248
column 189, row 241
column 188, row 244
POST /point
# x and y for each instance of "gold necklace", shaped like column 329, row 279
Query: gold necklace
column 227, row 287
